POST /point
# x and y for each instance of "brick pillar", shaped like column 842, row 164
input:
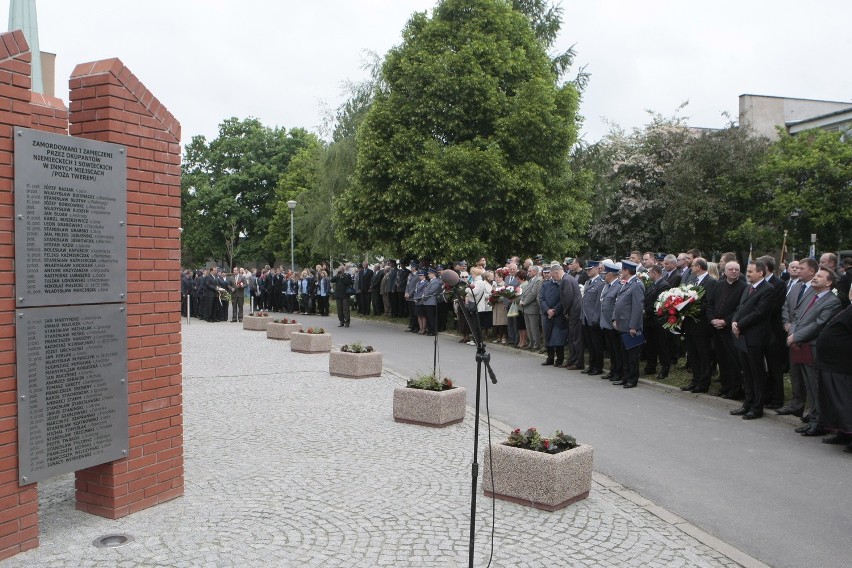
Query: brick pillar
column 109, row 104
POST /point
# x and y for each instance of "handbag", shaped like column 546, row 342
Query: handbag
column 513, row 310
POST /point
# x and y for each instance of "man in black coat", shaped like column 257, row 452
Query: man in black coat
column 376, row 291
column 777, row 353
column 698, row 331
column 656, row 336
column 752, row 327
column 366, row 277
column 211, row 303
column 720, row 311
column 342, row 282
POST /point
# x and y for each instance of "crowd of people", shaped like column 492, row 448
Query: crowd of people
column 753, row 323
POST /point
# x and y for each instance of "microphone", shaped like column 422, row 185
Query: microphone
column 450, row 278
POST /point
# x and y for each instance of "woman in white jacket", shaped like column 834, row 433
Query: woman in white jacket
column 479, row 291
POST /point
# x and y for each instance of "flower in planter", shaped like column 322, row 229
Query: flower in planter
column 312, row 330
column 262, row 314
column 285, row 320
column 430, row 382
column 532, row 440
column 357, row 347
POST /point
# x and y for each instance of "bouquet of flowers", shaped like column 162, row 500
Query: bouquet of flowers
column 496, row 294
column 510, row 292
column 675, row 305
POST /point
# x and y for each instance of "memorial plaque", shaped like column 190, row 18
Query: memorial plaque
column 72, row 388
column 70, row 220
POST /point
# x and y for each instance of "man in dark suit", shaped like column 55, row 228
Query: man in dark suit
column 698, row 331
column 627, row 320
column 366, row 278
column 800, row 292
column 591, row 315
column 572, row 311
column 375, row 290
column 777, row 355
column 656, row 336
column 809, row 320
column 752, row 326
column 670, row 271
column 720, row 312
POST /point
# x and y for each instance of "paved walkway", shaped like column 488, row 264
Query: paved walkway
column 288, row 466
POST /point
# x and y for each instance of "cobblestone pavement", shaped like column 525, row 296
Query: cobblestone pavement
column 289, row 466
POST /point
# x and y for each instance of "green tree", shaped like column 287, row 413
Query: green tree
column 634, row 214
column 811, row 173
column 712, row 189
column 464, row 149
column 229, row 188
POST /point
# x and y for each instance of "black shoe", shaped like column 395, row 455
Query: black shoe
column 837, row 438
column 688, row 387
column 629, row 386
column 815, row 430
column 697, row 390
column 784, row 411
column 595, row 372
column 347, row 324
column 548, row 362
column 609, row 375
column 802, row 429
column 740, row 411
column 557, row 363
column 340, row 325
column 752, row 415
column 806, row 418
column 586, row 371
column 619, row 382
column 736, row 395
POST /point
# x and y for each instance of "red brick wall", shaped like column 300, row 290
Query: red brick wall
column 108, row 103
column 18, row 505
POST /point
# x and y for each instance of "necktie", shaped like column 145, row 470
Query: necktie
column 801, row 293
column 813, row 301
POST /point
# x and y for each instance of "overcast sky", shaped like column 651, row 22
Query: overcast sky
column 285, row 61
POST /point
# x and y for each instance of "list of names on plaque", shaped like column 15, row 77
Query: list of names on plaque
column 75, row 413
column 70, row 211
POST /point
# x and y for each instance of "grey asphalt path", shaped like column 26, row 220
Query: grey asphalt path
column 774, row 494
column 287, row 466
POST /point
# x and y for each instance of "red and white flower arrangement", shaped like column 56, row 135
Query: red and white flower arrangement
column 675, row 305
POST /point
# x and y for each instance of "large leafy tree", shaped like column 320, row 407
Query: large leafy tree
column 712, row 189
column 229, row 187
column 811, row 174
column 464, row 149
column 639, row 162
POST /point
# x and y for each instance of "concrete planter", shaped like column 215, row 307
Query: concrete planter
column 537, row 479
column 310, row 342
column 355, row 365
column 255, row 323
column 281, row 330
column 429, row 408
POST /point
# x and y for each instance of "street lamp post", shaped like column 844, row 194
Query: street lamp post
column 292, row 205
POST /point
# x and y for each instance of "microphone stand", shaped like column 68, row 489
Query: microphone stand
column 483, row 358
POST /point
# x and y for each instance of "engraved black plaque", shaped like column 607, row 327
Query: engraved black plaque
column 70, row 220
column 72, row 388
